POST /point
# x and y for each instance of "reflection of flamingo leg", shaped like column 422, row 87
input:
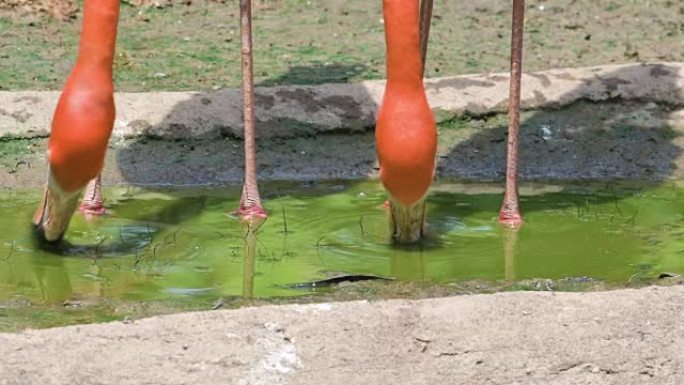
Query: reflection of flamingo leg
column 250, row 256
column 510, row 211
column 250, row 209
column 408, row 264
column 510, row 244
column 82, row 122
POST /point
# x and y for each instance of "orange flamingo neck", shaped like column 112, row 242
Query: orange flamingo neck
column 402, row 35
column 85, row 113
column 98, row 35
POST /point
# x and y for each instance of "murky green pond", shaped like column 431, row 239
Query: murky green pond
column 167, row 250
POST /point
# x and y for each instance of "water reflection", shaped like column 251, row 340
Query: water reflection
column 52, row 279
column 408, row 264
column 250, row 251
column 178, row 250
column 510, row 244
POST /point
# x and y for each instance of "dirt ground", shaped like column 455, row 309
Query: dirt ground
column 196, row 46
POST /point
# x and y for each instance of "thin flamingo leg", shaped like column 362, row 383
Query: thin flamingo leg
column 425, row 21
column 250, row 209
column 93, row 201
column 509, row 214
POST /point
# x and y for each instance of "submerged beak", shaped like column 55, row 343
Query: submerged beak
column 407, row 223
column 55, row 211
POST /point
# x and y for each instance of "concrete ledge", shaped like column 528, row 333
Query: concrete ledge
column 288, row 111
column 620, row 337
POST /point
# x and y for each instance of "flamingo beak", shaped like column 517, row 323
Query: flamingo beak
column 407, row 223
column 55, row 211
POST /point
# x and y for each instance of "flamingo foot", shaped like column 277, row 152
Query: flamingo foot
column 93, row 201
column 510, row 218
column 254, row 216
column 92, row 210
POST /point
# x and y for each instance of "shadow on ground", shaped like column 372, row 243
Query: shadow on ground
column 584, row 141
column 316, row 74
column 287, row 149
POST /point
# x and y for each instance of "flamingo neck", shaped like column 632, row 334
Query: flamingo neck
column 98, row 36
column 404, row 67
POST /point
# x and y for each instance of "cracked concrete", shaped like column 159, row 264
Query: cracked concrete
column 288, row 111
column 617, row 337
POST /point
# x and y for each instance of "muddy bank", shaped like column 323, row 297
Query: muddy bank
column 616, row 337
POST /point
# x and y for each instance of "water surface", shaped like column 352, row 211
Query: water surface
column 161, row 250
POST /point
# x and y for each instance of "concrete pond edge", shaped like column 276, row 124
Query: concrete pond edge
column 625, row 336
column 302, row 110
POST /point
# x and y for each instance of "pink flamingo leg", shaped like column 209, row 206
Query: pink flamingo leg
column 250, row 209
column 425, row 19
column 93, row 201
column 510, row 211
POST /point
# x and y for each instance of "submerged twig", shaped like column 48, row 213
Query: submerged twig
column 11, row 251
column 149, row 232
column 319, row 244
column 363, row 232
column 121, row 236
column 284, row 220
column 617, row 207
column 97, row 247
column 175, row 233
column 632, row 220
column 138, row 257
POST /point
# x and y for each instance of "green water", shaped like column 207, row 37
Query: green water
column 168, row 250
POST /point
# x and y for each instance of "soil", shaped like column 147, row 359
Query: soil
column 196, row 46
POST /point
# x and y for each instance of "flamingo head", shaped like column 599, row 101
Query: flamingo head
column 55, row 211
column 407, row 221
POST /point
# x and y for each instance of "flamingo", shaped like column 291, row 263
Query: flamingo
column 81, row 125
column 406, row 136
column 84, row 118
column 405, row 133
